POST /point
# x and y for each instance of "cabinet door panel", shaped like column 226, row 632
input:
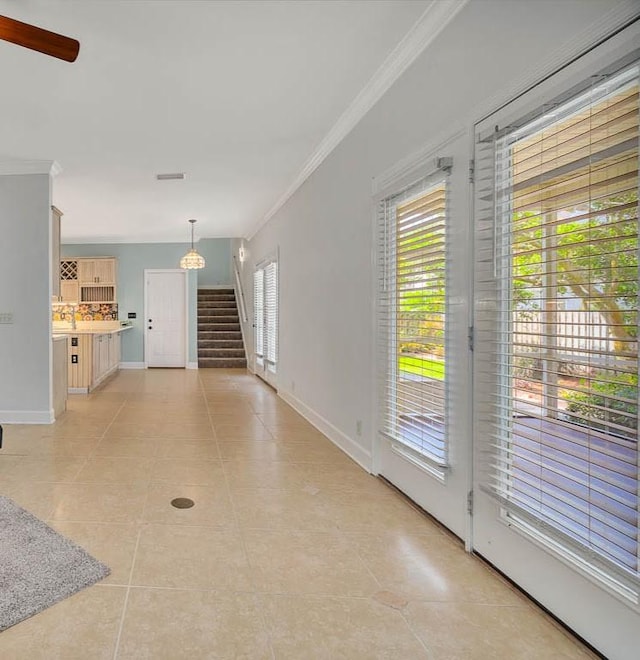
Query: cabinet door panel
column 105, row 270
column 86, row 270
column 69, row 291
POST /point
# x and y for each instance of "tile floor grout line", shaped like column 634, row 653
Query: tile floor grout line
column 140, row 523
column 135, row 551
column 256, row 597
column 427, row 650
column 116, row 647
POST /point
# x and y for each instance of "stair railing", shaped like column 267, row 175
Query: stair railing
column 243, row 306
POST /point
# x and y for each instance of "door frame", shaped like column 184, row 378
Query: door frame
column 269, row 376
column 547, row 570
column 420, row 483
column 184, row 274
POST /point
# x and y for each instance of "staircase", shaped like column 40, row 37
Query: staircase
column 219, row 337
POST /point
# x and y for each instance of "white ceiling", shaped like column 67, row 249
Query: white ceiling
column 236, row 94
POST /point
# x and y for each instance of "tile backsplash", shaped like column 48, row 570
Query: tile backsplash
column 85, row 312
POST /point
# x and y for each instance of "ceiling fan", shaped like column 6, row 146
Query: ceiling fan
column 35, row 38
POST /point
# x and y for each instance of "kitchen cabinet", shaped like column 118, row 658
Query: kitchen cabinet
column 97, row 280
column 106, row 356
column 88, row 280
column 69, row 291
column 97, row 271
column 60, row 374
column 93, row 357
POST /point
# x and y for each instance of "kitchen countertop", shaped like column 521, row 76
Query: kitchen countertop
column 90, row 331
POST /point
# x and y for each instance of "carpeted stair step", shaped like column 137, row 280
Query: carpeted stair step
column 218, row 335
column 217, row 311
column 215, row 300
column 219, row 363
column 216, row 304
column 220, row 343
column 216, row 294
column 225, row 321
column 223, row 327
column 220, row 352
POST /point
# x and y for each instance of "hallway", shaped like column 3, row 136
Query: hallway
column 291, row 550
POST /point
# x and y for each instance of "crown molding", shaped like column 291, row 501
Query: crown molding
column 432, row 21
column 19, row 167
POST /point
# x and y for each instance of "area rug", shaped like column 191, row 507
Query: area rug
column 38, row 566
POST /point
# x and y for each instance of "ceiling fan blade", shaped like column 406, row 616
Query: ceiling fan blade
column 35, row 38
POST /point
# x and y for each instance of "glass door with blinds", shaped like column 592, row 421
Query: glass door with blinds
column 265, row 306
column 556, row 347
column 422, row 338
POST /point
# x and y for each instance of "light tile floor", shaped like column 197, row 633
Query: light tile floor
column 292, row 550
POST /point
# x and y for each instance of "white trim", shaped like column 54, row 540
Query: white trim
column 551, row 545
column 27, row 417
column 215, row 287
column 132, row 365
column 20, row 167
column 78, row 390
column 341, row 440
column 192, row 365
column 433, row 20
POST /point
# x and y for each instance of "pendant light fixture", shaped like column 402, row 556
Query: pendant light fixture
column 192, row 260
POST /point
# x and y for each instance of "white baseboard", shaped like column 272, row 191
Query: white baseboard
column 27, row 417
column 132, row 365
column 192, row 365
column 348, row 445
column 78, row 390
column 216, row 286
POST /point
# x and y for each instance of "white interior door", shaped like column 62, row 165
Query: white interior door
column 422, row 326
column 556, row 348
column 165, row 318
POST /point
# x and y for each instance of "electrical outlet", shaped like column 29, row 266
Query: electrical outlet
column 359, row 427
column 74, row 359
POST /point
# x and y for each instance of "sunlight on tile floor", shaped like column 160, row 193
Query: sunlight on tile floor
column 291, row 550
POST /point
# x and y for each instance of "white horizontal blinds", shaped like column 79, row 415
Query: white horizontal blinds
column 258, row 310
column 271, row 312
column 558, row 344
column 412, row 318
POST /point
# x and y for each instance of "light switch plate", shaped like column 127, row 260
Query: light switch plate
column 6, row 317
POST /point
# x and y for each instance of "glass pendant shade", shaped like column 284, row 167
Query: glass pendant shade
column 192, row 260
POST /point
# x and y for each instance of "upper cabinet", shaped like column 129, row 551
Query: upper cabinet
column 88, row 280
column 97, row 271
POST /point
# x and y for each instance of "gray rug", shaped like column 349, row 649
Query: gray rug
column 38, row 567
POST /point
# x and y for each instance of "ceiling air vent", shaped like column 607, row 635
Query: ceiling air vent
column 170, row 176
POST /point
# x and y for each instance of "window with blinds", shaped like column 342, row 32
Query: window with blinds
column 258, row 311
column 265, row 306
column 557, row 324
column 271, row 313
column 412, row 319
